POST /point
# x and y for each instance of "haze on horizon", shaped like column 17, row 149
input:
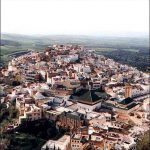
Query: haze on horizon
column 75, row 17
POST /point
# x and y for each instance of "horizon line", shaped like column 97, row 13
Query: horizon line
column 103, row 34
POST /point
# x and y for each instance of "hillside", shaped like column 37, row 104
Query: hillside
column 122, row 49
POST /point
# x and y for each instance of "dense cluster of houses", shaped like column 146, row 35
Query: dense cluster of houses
column 104, row 104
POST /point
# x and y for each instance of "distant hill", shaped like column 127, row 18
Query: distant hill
column 9, row 42
column 125, row 42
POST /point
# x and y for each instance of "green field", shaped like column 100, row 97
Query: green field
column 105, row 49
column 131, row 50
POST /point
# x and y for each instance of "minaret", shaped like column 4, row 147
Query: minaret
column 128, row 90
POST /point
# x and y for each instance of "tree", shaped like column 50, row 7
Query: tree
column 144, row 143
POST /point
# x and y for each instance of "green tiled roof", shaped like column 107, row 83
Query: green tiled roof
column 89, row 96
column 126, row 101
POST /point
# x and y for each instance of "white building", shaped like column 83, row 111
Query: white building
column 62, row 144
column 31, row 113
column 71, row 58
column 86, row 69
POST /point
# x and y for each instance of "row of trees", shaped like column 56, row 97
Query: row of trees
column 136, row 59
